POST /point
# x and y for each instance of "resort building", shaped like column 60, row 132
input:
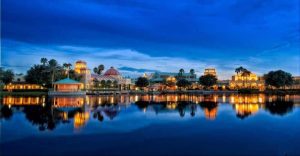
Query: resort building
column 82, row 69
column 67, row 85
column 111, row 79
column 68, row 102
column 251, row 81
column 223, row 84
column 160, row 77
column 19, row 78
column 210, row 71
column 296, row 83
column 167, row 80
column 22, row 100
column 22, row 86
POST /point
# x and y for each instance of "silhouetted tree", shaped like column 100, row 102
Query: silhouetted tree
column 142, row 82
column 183, row 83
column 278, row 78
column 279, row 107
column 6, row 112
column 44, row 61
column 6, row 76
column 208, row 80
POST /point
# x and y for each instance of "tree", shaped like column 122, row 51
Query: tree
column 192, row 71
column 183, row 83
column 38, row 74
column 6, row 75
column 53, row 67
column 240, row 69
column 278, row 78
column 95, row 70
column 181, row 72
column 208, row 80
column 67, row 67
column 142, row 82
column 245, row 73
column 98, row 70
column 44, row 61
column 47, row 74
column 74, row 75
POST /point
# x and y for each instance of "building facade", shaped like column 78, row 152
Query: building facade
column 22, row 86
column 82, row 69
column 160, row 77
column 67, row 85
column 251, row 81
column 210, row 71
column 111, row 79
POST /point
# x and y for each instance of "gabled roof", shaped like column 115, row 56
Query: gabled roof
column 67, row 81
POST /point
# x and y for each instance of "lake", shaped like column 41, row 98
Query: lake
column 235, row 124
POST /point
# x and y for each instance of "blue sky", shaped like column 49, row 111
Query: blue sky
column 144, row 36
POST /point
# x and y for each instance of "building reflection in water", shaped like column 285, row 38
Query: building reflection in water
column 46, row 113
column 71, row 107
column 20, row 100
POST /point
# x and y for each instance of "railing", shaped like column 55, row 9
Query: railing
column 66, row 93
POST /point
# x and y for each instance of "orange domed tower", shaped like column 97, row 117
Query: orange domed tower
column 82, row 69
column 112, row 72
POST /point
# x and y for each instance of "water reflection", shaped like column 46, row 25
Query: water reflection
column 47, row 113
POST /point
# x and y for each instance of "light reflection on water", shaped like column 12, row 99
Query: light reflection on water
column 46, row 113
column 180, row 116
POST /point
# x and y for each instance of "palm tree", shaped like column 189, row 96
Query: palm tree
column 53, row 65
column 67, row 67
column 240, row 69
column 192, row 71
column 95, row 70
column 181, row 72
column 100, row 68
column 246, row 73
column 44, row 61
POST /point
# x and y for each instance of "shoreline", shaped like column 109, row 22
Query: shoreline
column 140, row 92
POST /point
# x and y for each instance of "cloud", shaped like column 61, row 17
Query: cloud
column 134, row 63
column 153, row 27
column 139, row 70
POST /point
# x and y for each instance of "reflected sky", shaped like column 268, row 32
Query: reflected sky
column 49, row 117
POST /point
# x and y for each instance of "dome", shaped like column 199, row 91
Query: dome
column 80, row 62
column 112, row 72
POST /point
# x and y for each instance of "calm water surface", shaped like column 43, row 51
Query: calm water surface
column 151, row 124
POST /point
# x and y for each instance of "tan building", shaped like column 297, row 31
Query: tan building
column 23, row 100
column 210, row 71
column 82, row 69
column 23, row 86
column 296, row 83
column 251, row 81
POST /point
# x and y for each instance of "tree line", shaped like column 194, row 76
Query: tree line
column 277, row 79
column 49, row 71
